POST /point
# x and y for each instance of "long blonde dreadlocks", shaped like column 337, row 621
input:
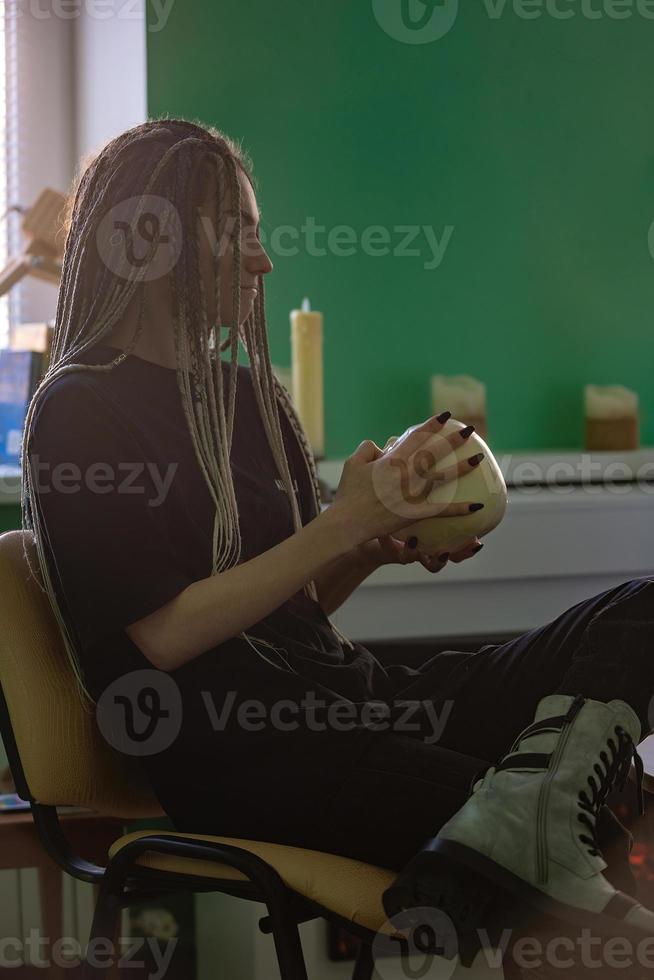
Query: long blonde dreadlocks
column 161, row 157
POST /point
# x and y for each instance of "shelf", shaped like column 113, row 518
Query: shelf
column 553, row 467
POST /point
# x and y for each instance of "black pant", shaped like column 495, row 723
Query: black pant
column 406, row 785
column 403, row 788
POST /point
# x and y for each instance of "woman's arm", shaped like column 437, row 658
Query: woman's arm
column 371, row 501
column 337, row 581
column 212, row 610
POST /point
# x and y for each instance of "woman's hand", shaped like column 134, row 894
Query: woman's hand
column 380, row 493
column 387, row 550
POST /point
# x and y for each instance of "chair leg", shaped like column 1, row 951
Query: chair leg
column 50, row 884
column 287, row 944
column 102, row 954
column 364, row 966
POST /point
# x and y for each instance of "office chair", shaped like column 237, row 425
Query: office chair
column 59, row 758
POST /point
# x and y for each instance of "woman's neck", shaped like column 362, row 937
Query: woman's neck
column 156, row 342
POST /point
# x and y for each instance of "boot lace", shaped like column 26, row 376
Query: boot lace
column 613, row 770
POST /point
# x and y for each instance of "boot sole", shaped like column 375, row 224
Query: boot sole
column 449, row 872
column 471, row 902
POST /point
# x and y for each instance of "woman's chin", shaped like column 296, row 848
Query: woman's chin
column 245, row 311
column 246, row 307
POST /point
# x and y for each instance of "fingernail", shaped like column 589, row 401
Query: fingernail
column 412, row 542
column 476, row 460
column 478, row 548
column 444, row 417
column 469, row 429
column 444, row 557
column 474, row 507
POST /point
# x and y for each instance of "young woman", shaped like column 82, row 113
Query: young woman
column 175, row 508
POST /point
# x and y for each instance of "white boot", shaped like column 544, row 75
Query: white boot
column 528, row 827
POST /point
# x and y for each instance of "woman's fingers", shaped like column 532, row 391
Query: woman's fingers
column 419, row 435
column 471, row 549
column 415, row 436
column 366, row 452
column 460, row 509
column 450, row 473
column 410, row 553
column 416, row 457
column 434, row 563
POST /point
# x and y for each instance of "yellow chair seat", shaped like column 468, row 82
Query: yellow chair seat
column 349, row 888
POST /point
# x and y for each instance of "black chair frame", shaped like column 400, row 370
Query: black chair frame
column 124, row 882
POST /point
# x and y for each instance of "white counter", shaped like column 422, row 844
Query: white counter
column 557, row 545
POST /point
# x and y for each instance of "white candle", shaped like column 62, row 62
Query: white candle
column 610, row 402
column 460, row 394
column 307, row 372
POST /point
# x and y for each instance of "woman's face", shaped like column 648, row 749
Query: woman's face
column 254, row 261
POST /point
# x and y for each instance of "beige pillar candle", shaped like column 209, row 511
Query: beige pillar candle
column 612, row 418
column 463, row 396
column 307, row 373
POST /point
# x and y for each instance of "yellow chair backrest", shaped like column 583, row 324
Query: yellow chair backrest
column 65, row 759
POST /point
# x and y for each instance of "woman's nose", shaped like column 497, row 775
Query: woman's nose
column 259, row 263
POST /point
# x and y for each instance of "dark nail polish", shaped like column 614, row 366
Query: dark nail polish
column 475, row 507
column 444, row 557
column 478, row 548
column 412, row 542
column 444, row 417
column 476, row 460
column 469, row 429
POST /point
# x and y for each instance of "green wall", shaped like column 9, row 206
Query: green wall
column 10, row 517
column 533, row 138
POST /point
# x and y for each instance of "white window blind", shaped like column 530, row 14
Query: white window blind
column 8, row 153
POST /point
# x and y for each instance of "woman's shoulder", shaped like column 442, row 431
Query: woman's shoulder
column 74, row 410
column 70, row 395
